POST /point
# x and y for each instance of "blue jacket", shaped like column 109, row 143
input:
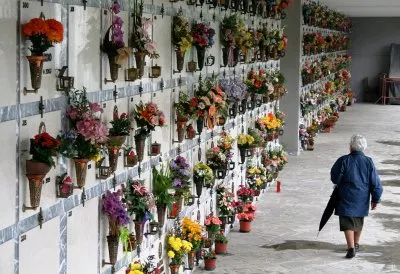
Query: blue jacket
column 357, row 180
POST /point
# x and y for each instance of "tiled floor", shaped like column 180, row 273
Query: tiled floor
column 284, row 236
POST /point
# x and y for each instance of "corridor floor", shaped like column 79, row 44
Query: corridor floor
column 284, row 235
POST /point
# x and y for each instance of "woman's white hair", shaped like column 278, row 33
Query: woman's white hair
column 358, row 143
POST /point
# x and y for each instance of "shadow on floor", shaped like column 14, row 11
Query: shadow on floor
column 391, row 143
column 387, row 254
column 391, row 162
column 389, row 172
column 395, row 183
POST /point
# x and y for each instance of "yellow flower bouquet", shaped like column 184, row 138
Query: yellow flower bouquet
column 192, row 232
column 177, row 248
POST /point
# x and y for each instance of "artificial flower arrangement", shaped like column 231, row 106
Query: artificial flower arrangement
column 228, row 32
column 235, row 89
column 245, row 141
column 225, row 142
column 180, row 174
column 118, row 218
column 257, row 83
column 203, row 173
column 181, row 38
column 278, row 81
column 182, row 107
column 121, row 125
column 113, row 43
column 217, row 159
column 162, row 183
column 138, row 199
column 148, row 116
column 254, row 178
column 192, row 232
column 245, row 194
column 225, row 201
column 43, row 34
column 202, row 38
column 269, row 124
column 88, row 133
column 277, row 43
column 258, row 138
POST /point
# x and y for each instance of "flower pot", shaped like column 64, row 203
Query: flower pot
column 180, row 59
column 174, row 268
column 225, row 56
column 113, row 242
column 36, row 69
column 161, row 209
column 200, row 124
column 210, row 264
column 113, row 68
column 327, row 129
column 201, row 52
column 36, row 171
column 181, row 129
column 131, row 244
column 139, row 143
column 199, row 182
column 113, row 146
column 80, row 170
column 221, row 248
column 191, row 258
column 139, row 58
column 138, row 231
column 245, row 226
column 242, row 152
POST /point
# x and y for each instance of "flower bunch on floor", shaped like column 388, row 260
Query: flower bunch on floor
column 116, row 212
column 177, row 248
column 192, row 232
column 212, row 223
column 43, row 34
column 138, row 200
column 180, row 172
column 43, row 147
column 148, row 116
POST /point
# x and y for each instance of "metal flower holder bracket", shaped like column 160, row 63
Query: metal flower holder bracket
column 64, row 83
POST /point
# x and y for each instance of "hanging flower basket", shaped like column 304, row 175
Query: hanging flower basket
column 113, row 243
column 114, row 67
column 36, row 171
column 36, row 69
column 80, row 170
column 161, row 209
column 114, row 145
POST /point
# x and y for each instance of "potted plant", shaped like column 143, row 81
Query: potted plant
column 141, row 40
column 202, row 177
column 139, row 202
column 162, row 182
column 221, row 244
column 121, row 127
column 210, row 260
column 147, row 116
column 181, row 38
column 192, row 232
column 203, row 38
column 43, row 147
column 117, row 219
column 177, row 248
column 83, row 141
column 212, row 224
column 42, row 34
column 113, row 43
column 245, row 220
column 245, row 143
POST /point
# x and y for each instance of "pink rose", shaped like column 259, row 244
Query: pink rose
column 154, row 120
column 152, row 108
column 95, row 107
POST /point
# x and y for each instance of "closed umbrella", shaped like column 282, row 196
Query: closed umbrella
column 330, row 207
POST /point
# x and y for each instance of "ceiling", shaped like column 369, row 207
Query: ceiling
column 365, row 8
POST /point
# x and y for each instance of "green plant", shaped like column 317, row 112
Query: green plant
column 121, row 126
column 161, row 183
column 209, row 254
column 258, row 139
column 182, row 107
column 220, row 238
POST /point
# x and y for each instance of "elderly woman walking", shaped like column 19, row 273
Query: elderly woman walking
column 358, row 183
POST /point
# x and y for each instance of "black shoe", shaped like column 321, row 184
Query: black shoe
column 351, row 253
column 357, row 247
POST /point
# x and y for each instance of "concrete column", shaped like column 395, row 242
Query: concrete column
column 290, row 67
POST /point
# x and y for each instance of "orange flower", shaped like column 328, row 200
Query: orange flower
column 56, row 31
column 35, row 26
